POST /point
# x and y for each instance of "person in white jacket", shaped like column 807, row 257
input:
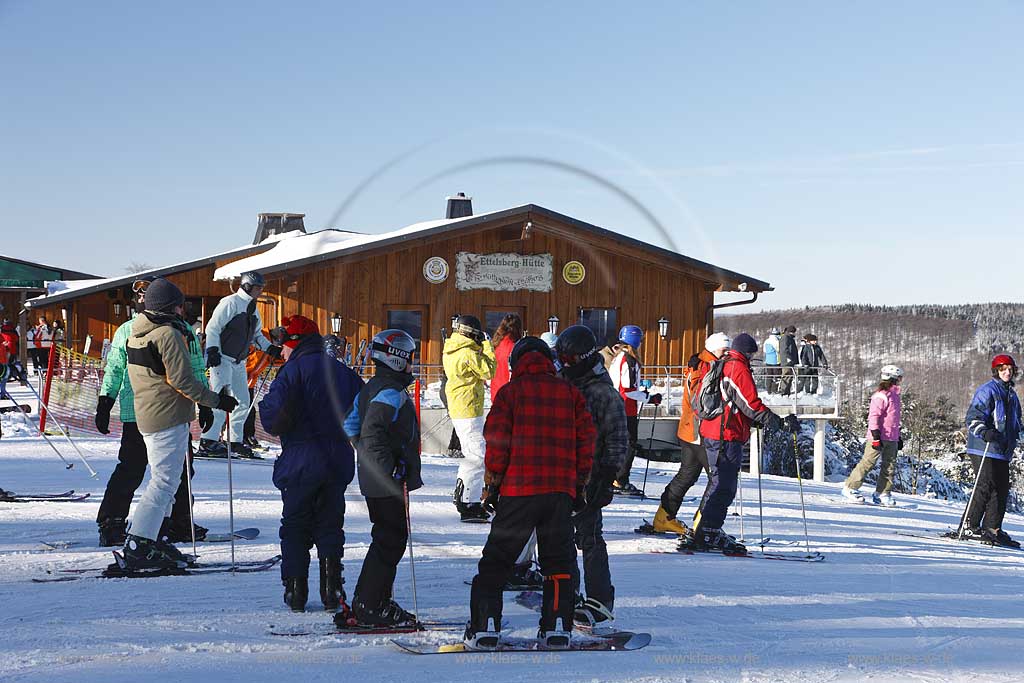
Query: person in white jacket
column 234, row 326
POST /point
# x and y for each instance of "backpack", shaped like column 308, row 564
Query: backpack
column 707, row 402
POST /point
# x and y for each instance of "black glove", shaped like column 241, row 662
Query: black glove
column 103, row 408
column 992, row 435
column 772, row 421
column 398, row 474
column 205, row 417
column 274, row 351
column 876, row 439
column 792, row 424
column 492, row 494
column 599, row 488
column 899, row 444
column 226, row 402
column 212, row 357
column 654, row 399
column 579, row 504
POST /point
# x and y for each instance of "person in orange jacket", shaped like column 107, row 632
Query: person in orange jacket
column 255, row 364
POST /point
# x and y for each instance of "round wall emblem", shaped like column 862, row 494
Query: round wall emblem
column 435, row 270
column 573, row 272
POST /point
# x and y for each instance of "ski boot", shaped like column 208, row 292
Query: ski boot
column 165, row 545
column 525, row 578
column 252, row 443
column 296, row 592
column 1005, row 540
column 664, row 524
column 386, row 613
column 240, row 450
column 852, row 495
column 555, row 632
column 332, row 592
column 209, row 448
column 590, row 613
column 714, row 540
column 113, row 532
column 473, row 513
column 626, row 489
column 884, row 499
column 142, row 554
column 483, row 630
column 178, row 532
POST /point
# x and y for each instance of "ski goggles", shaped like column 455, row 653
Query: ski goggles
column 140, row 286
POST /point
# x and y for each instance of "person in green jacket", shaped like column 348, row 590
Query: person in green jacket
column 469, row 362
column 127, row 476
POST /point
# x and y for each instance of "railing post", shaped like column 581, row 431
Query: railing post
column 819, row 449
column 755, row 452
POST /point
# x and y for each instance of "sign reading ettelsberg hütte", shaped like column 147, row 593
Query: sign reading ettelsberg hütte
column 503, row 272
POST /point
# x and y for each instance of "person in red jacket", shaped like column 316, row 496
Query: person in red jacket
column 723, row 438
column 505, row 337
column 540, row 445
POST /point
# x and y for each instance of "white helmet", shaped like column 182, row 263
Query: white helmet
column 393, row 348
column 549, row 338
column 717, row 342
column 891, row 372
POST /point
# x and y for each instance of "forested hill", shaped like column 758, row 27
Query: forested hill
column 945, row 350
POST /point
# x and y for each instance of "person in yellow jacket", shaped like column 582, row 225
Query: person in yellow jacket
column 468, row 363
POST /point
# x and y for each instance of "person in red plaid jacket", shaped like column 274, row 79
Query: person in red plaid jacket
column 540, row 445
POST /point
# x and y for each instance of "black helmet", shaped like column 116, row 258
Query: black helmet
column 577, row 350
column 527, row 344
column 252, row 279
column 469, row 326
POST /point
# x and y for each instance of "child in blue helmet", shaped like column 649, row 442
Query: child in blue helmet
column 625, row 373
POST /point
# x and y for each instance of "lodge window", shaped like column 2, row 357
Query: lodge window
column 410, row 321
column 603, row 322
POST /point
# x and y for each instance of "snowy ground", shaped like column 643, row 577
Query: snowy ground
column 881, row 607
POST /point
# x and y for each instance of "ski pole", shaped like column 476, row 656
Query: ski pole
column 800, row 481
column 760, row 504
column 231, row 487
column 92, row 472
column 412, row 557
column 191, row 500
column 28, row 423
column 970, row 501
column 650, row 445
column 259, row 388
column 739, row 485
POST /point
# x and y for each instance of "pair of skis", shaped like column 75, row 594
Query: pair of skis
column 117, row 570
column 65, row 497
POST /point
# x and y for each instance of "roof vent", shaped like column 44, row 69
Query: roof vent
column 459, row 206
column 270, row 224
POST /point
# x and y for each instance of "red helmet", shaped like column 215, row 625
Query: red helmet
column 1003, row 359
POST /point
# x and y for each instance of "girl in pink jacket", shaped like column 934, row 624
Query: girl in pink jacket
column 883, row 439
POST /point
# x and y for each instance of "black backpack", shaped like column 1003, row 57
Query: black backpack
column 707, row 401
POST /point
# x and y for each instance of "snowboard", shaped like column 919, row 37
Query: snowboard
column 115, row 571
column 66, row 497
column 624, row 641
column 246, row 534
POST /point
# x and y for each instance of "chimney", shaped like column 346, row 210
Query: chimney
column 459, row 206
column 269, row 224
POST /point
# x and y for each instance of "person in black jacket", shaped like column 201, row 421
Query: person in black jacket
column 811, row 358
column 385, row 430
column 788, row 358
column 583, row 366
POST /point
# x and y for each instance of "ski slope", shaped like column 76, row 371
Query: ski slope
column 881, row 607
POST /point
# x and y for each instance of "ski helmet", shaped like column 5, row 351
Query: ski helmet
column 577, row 350
column 332, row 346
column 1003, row 359
column 469, row 326
column 717, row 342
column 550, row 339
column 632, row 335
column 526, row 345
column 891, row 372
column 251, row 280
column 776, row 331
column 393, row 348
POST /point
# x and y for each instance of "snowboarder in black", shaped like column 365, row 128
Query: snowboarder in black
column 385, row 430
column 582, row 365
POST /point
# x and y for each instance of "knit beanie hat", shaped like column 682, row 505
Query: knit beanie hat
column 745, row 344
column 162, row 296
column 296, row 327
column 717, row 342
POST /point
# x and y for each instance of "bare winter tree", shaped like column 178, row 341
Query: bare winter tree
column 136, row 267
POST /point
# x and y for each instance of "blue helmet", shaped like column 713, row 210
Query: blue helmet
column 632, row 335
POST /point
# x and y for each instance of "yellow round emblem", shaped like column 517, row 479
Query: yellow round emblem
column 573, row 272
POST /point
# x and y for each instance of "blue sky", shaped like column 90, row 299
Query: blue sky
column 868, row 152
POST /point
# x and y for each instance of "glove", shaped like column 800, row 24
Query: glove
column 792, row 424
column 599, row 490
column 491, row 496
column 579, row 504
column 274, row 351
column 899, row 444
column 226, row 402
column 103, row 407
column 876, row 439
column 654, row 399
column 205, row 417
column 773, row 421
column 646, row 384
column 398, row 474
column 212, row 357
column 991, row 435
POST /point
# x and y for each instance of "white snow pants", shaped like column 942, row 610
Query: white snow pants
column 231, row 374
column 166, row 453
column 471, row 467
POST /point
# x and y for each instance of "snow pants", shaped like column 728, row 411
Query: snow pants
column 695, row 461
column 127, row 477
column 471, row 467
column 597, row 575
column 389, row 537
column 230, row 373
column 989, row 504
column 516, row 518
column 166, row 451
column 786, row 375
column 724, row 461
column 885, row 472
column 313, row 514
column 808, row 381
column 632, row 428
